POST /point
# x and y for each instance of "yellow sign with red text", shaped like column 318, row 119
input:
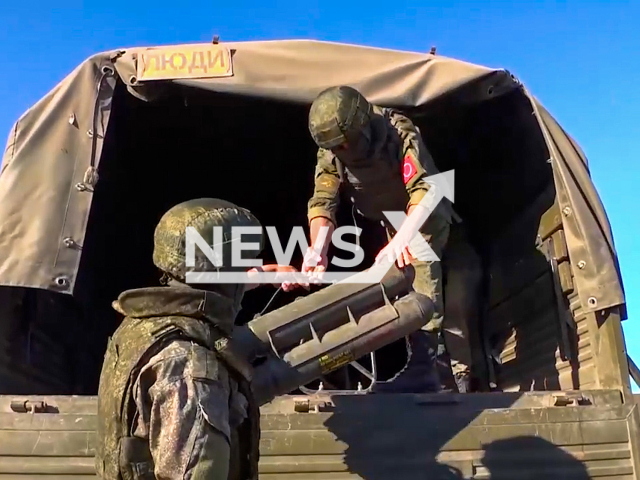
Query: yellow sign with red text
column 187, row 61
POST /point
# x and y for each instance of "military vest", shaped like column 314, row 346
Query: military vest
column 375, row 189
column 378, row 185
column 120, row 455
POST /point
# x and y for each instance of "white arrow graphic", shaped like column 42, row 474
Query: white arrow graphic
column 441, row 186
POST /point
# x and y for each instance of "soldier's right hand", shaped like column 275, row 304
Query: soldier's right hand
column 314, row 263
column 313, row 266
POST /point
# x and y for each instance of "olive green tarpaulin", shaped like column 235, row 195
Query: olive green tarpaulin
column 47, row 168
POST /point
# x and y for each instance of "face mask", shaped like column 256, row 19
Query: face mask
column 357, row 151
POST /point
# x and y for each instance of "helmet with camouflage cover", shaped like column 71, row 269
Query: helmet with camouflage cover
column 201, row 216
column 341, row 115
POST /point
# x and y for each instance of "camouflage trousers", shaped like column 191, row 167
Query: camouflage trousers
column 428, row 368
column 188, row 408
column 449, row 334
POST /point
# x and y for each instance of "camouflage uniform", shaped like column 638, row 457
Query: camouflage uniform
column 170, row 403
column 384, row 171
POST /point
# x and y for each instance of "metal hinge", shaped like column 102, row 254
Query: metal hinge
column 568, row 401
column 28, row 406
column 308, row 405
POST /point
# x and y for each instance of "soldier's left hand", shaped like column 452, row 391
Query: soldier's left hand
column 283, row 273
column 397, row 248
column 286, row 277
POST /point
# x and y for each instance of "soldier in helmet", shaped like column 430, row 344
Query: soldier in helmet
column 173, row 403
column 376, row 156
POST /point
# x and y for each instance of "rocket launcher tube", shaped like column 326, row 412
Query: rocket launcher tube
column 347, row 343
column 372, row 331
column 327, row 309
column 333, row 337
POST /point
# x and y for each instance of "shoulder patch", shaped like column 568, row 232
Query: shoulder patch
column 409, row 169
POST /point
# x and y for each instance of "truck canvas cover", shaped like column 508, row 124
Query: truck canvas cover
column 54, row 148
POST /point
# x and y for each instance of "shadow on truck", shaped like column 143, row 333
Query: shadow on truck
column 414, row 445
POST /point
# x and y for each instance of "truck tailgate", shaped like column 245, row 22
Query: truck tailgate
column 570, row 435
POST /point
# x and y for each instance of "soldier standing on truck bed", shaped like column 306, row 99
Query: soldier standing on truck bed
column 378, row 156
column 172, row 403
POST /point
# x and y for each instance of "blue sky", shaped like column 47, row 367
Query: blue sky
column 580, row 58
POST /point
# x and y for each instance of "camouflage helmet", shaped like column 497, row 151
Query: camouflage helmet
column 338, row 115
column 203, row 214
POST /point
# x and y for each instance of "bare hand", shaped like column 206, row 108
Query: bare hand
column 398, row 247
column 314, row 265
column 281, row 274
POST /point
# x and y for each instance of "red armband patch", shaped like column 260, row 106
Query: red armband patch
column 408, row 169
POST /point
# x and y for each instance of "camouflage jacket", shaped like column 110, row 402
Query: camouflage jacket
column 396, row 179
column 167, row 406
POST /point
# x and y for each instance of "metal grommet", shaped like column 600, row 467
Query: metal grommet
column 107, row 69
column 582, row 264
column 490, row 90
column 90, row 133
column 566, row 211
column 593, row 301
column 72, row 119
column 69, row 242
column 133, row 79
column 61, row 281
column 81, row 187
